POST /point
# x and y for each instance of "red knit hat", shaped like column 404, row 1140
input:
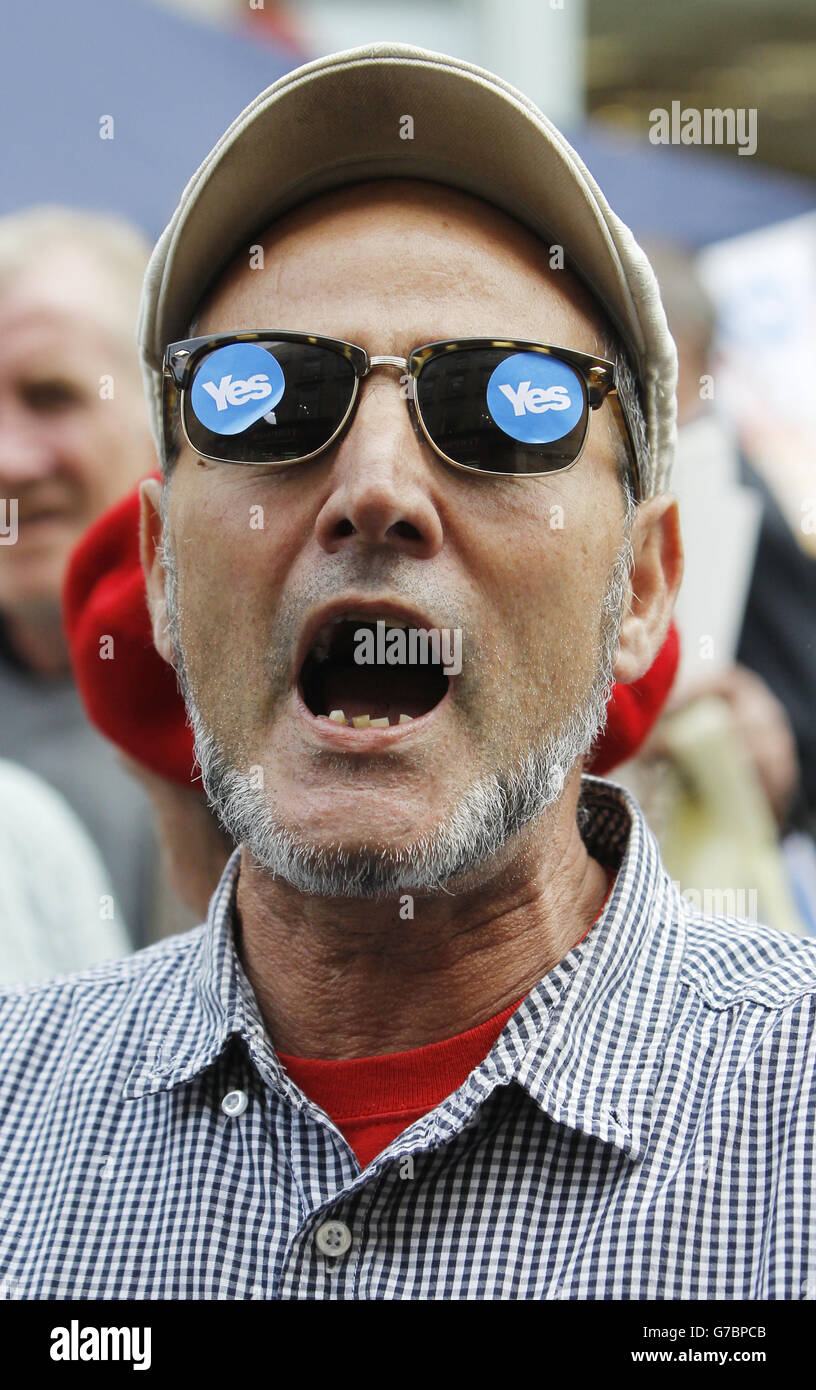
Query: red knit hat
column 131, row 695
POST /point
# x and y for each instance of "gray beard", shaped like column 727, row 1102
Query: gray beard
column 489, row 813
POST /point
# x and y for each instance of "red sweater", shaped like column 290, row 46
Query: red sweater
column 373, row 1099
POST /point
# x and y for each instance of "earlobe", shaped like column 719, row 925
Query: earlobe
column 655, row 580
column 150, row 536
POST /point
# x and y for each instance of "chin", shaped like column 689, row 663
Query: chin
column 370, row 835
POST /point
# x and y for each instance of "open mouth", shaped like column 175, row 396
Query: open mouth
column 337, row 683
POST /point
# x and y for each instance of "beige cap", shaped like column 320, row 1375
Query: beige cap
column 341, row 120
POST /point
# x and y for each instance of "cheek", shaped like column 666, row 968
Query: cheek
column 547, row 588
column 74, row 441
column 215, row 584
column 91, row 446
column 224, row 632
column 231, row 572
column 540, row 570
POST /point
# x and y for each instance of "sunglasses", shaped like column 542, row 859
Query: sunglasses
column 500, row 406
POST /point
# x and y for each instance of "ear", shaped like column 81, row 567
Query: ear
column 655, row 580
column 150, row 535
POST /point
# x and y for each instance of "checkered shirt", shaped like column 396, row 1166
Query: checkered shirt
column 643, row 1127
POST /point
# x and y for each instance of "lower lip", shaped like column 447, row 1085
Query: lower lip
column 350, row 740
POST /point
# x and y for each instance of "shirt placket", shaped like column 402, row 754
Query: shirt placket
column 333, row 1249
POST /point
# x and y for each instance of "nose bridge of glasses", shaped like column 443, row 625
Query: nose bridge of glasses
column 401, row 362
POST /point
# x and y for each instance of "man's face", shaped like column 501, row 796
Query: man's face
column 74, row 436
column 519, row 566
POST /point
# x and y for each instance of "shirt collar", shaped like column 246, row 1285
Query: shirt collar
column 589, row 1041
column 586, row 1044
column 203, row 1006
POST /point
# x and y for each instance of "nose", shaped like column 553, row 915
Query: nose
column 25, row 456
column 382, row 492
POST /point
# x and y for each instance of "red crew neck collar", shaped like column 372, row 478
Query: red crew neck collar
column 399, row 1082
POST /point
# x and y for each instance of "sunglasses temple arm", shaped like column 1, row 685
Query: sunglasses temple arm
column 171, row 421
column 622, row 421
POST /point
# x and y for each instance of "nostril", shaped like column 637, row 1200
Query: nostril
column 345, row 528
column 405, row 530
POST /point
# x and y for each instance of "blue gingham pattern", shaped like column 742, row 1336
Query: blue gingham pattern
column 642, row 1129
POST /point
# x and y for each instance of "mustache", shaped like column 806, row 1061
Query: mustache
column 368, row 577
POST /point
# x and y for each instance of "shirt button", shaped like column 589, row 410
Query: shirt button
column 333, row 1238
column 235, row 1103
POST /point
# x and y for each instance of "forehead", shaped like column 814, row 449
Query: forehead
column 37, row 338
column 62, row 279
column 57, row 305
column 402, row 257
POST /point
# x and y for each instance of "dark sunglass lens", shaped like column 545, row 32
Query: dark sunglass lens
column 503, row 411
column 267, row 402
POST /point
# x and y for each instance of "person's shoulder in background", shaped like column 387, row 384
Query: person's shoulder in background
column 58, row 912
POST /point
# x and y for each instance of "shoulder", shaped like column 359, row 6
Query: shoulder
column 745, row 1022
column 730, row 962
column 28, row 801
column 107, row 1007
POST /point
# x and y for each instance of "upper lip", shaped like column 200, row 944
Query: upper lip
column 351, row 606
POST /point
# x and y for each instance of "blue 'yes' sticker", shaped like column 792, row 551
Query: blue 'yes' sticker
column 236, row 386
column 535, row 398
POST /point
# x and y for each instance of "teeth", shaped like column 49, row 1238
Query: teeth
column 364, row 721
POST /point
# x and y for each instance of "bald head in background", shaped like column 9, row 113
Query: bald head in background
column 73, row 430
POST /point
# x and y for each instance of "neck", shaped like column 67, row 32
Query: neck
column 40, row 645
column 360, row 980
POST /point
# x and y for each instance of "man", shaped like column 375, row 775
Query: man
column 73, row 438
column 449, row 1031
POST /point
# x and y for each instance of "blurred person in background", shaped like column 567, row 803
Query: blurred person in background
column 771, row 686
column 73, row 438
column 57, row 909
column 768, row 681
column 135, row 704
